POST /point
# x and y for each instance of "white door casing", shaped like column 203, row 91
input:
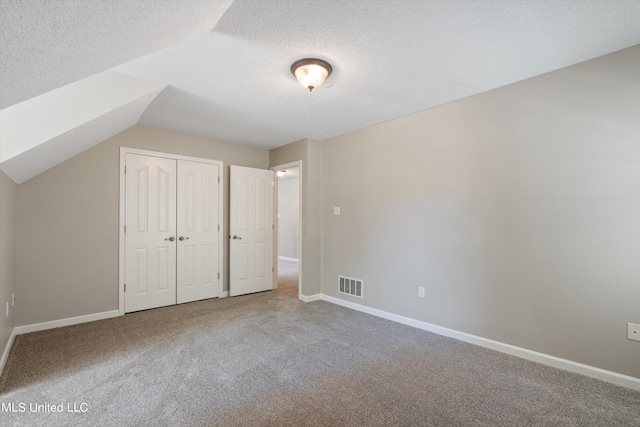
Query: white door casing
column 297, row 164
column 198, row 231
column 150, row 269
column 251, row 230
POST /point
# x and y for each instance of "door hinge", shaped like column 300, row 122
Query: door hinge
column 125, row 228
column 218, row 180
column 125, row 287
column 273, row 226
column 125, row 170
column 218, row 276
column 218, row 227
column 273, row 270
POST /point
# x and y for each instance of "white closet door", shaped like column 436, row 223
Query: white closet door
column 198, row 234
column 251, row 229
column 150, row 244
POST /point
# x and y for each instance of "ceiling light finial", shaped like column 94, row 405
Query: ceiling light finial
column 311, row 72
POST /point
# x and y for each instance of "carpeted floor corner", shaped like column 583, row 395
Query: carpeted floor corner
column 268, row 359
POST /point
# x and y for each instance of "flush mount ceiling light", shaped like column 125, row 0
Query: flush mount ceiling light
column 311, row 72
column 281, row 173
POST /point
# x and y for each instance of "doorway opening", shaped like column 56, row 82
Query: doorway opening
column 288, row 235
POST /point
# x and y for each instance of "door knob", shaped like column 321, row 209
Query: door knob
column 236, row 237
column 171, row 239
column 183, row 238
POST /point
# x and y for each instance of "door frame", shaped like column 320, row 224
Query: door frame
column 121, row 235
column 297, row 163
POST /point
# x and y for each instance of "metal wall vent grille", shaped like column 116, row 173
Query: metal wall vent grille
column 349, row 286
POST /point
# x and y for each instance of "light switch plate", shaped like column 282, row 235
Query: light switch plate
column 336, row 210
column 633, row 332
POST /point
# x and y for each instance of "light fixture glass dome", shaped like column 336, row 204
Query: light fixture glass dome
column 311, row 72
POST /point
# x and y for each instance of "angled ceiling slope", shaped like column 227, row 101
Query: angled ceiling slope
column 44, row 131
column 48, row 44
column 57, row 94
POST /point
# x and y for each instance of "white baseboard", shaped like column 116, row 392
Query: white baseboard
column 7, row 349
column 65, row 322
column 310, row 298
column 284, row 258
column 223, row 294
column 545, row 359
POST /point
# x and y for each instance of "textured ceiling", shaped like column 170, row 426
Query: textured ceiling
column 390, row 58
column 226, row 63
column 46, row 44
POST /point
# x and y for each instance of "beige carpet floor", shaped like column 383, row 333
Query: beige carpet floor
column 268, row 359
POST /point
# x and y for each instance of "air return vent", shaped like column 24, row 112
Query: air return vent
column 349, row 286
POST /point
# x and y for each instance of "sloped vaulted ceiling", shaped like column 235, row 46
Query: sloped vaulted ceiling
column 224, row 65
column 57, row 92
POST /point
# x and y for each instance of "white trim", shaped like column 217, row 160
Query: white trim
column 297, row 163
column 286, row 258
column 7, row 349
column 222, row 223
column 545, row 359
column 128, row 150
column 66, row 322
column 121, row 237
column 224, row 294
column 311, row 298
column 121, row 243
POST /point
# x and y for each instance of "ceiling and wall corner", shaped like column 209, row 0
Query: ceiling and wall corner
column 226, row 63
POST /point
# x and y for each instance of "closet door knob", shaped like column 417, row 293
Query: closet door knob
column 183, row 238
column 171, row 239
column 236, row 237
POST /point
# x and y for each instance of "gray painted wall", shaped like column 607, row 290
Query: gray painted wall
column 67, row 223
column 8, row 194
column 288, row 220
column 518, row 210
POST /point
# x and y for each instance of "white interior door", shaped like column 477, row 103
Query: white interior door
column 198, row 231
column 150, row 245
column 251, row 228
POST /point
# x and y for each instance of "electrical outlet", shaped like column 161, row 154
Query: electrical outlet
column 633, row 331
column 421, row 292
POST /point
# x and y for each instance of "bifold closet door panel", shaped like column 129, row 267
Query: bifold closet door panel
column 150, row 237
column 198, row 234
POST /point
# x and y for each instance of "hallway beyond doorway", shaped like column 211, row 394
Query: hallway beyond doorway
column 288, row 277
